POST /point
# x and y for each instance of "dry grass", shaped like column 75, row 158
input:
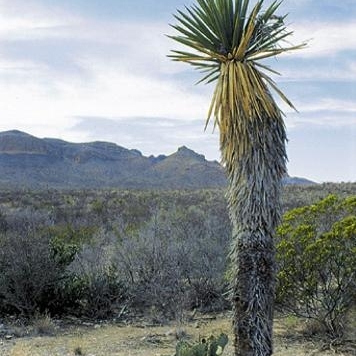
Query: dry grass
column 120, row 340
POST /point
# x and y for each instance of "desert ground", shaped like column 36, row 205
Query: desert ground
column 144, row 339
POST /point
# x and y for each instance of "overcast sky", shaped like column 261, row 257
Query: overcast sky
column 85, row 70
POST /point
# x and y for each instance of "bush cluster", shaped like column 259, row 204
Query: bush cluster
column 317, row 260
column 171, row 263
column 102, row 254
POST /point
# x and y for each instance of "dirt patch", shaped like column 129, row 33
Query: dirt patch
column 146, row 340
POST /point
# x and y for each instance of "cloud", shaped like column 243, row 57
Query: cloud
column 332, row 105
column 73, row 66
column 110, row 92
column 83, row 77
column 321, row 118
column 43, row 30
column 317, row 69
column 26, row 20
column 324, row 38
column 326, row 112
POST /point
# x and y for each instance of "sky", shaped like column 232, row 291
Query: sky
column 97, row 70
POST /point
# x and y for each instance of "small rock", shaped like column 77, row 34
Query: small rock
column 8, row 337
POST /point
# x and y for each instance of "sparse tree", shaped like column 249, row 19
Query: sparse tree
column 228, row 43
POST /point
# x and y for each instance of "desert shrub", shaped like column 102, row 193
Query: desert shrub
column 3, row 222
column 207, row 237
column 317, row 262
column 207, row 294
column 43, row 324
column 29, row 275
column 168, row 253
column 97, row 295
column 34, row 260
column 94, row 286
column 148, row 263
column 175, row 262
column 67, row 240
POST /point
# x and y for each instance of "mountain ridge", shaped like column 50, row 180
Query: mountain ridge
column 31, row 162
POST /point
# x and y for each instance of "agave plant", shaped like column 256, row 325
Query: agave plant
column 228, row 41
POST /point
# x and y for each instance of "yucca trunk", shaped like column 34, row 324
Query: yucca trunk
column 254, row 173
column 229, row 44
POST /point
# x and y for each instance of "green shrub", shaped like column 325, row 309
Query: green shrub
column 317, row 262
column 67, row 241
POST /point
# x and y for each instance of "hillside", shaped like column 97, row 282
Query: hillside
column 30, row 162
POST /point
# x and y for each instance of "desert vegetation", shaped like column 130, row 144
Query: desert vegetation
column 317, row 262
column 163, row 255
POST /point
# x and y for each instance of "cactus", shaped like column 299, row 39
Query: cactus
column 206, row 347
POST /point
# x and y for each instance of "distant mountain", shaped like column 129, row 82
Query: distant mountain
column 30, row 162
column 297, row 181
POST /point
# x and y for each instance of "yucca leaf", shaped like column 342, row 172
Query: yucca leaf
column 197, row 46
column 247, row 34
column 228, row 44
column 203, row 27
column 215, row 103
column 226, row 7
column 265, row 67
column 272, row 53
column 181, row 55
column 241, row 7
column 213, row 74
column 207, row 20
column 193, row 38
column 271, row 10
column 212, row 12
column 196, row 29
column 272, row 41
column 267, row 41
column 278, row 91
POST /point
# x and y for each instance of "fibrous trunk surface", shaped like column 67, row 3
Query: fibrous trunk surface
column 254, row 173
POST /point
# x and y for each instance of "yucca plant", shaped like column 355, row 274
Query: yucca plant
column 228, row 40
